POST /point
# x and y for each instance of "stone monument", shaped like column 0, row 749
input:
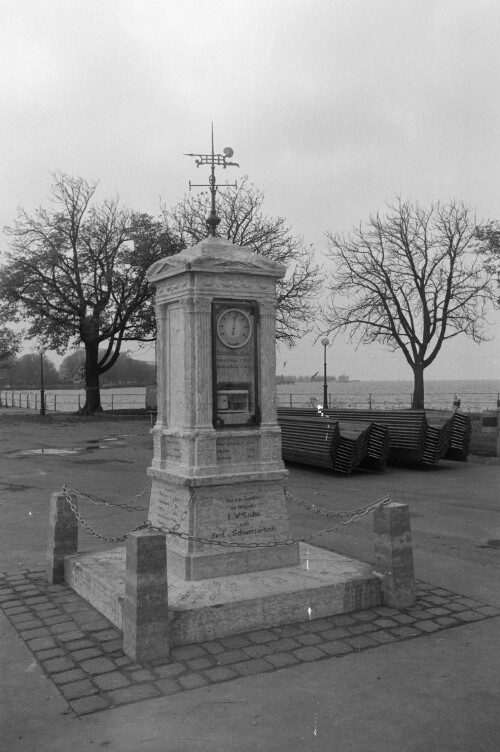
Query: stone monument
column 217, row 473
column 218, row 479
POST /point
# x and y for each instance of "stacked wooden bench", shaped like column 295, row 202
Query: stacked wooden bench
column 371, row 439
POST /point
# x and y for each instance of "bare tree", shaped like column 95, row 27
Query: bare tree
column 77, row 273
column 410, row 280
column 489, row 237
column 244, row 223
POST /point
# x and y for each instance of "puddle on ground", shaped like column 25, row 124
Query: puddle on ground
column 91, row 445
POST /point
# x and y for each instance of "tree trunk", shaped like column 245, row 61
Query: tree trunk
column 417, row 402
column 92, row 391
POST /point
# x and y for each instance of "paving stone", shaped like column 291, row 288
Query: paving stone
column 436, row 600
column 285, row 643
column 316, row 625
column 360, row 642
column 96, row 626
column 142, row 675
column 310, row 653
column 367, row 615
column 14, row 610
column 29, row 634
column 447, row 621
column 289, row 630
column 309, row 639
column 169, row 670
column 213, row 647
column 263, row 635
column 235, row 641
column 24, row 618
column 231, row 656
column 112, row 646
column 86, row 616
column 167, row 686
column 192, row 681
column 79, row 645
column 220, row 673
column 62, row 627
column 384, row 623
column 70, row 636
column 385, row 611
column 363, row 628
column 404, row 619
column 469, row 616
column 78, row 689
column 71, row 607
column 26, row 625
column 56, row 619
column 133, row 693
column 253, row 666
column 65, row 677
column 85, row 705
column 469, row 602
column 489, row 610
column 97, row 666
column 438, row 611
column 86, row 653
column 42, row 608
column 404, row 632
column 124, row 660
column 427, row 626
column 185, row 652
column 383, row 638
column 419, row 614
column 196, row 664
column 341, row 620
column 111, row 680
column 37, row 599
column 441, row 591
column 56, row 665
column 336, row 647
column 107, row 634
column 41, row 643
column 45, row 655
column 280, row 660
column 257, row 651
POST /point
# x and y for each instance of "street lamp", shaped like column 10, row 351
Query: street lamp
column 41, row 353
column 325, row 344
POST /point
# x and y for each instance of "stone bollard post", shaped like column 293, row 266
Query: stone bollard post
column 62, row 537
column 145, row 610
column 394, row 554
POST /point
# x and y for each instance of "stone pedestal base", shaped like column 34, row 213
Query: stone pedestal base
column 233, row 511
column 322, row 584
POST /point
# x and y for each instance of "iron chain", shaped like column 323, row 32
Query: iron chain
column 346, row 517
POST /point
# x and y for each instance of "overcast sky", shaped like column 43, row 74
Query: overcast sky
column 331, row 106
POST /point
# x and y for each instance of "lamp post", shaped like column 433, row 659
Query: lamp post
column 41, row 353
column 325, row 344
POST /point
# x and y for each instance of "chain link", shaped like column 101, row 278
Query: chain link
column 329, row 513
column 91, row 499
column 346, row 517
column 74, row 508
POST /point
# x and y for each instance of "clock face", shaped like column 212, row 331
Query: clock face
column 234, row 327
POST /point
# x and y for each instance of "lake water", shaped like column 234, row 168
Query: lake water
column 474, row 395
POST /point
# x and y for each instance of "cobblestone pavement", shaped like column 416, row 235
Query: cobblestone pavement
column 82, row 652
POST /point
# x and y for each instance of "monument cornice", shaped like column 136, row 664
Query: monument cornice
column 215, row 256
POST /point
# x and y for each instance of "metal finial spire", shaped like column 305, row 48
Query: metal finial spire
column 221, row 160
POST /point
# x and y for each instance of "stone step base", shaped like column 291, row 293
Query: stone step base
column 324, row 583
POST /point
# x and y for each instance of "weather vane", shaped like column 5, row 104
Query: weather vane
column 219, row 160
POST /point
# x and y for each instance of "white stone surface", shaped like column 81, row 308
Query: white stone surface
column 322, row 584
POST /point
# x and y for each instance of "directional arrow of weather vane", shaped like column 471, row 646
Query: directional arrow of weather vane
column 219, row 160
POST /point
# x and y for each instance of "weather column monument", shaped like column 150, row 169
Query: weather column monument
column 217, row 473
column 218, row 479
